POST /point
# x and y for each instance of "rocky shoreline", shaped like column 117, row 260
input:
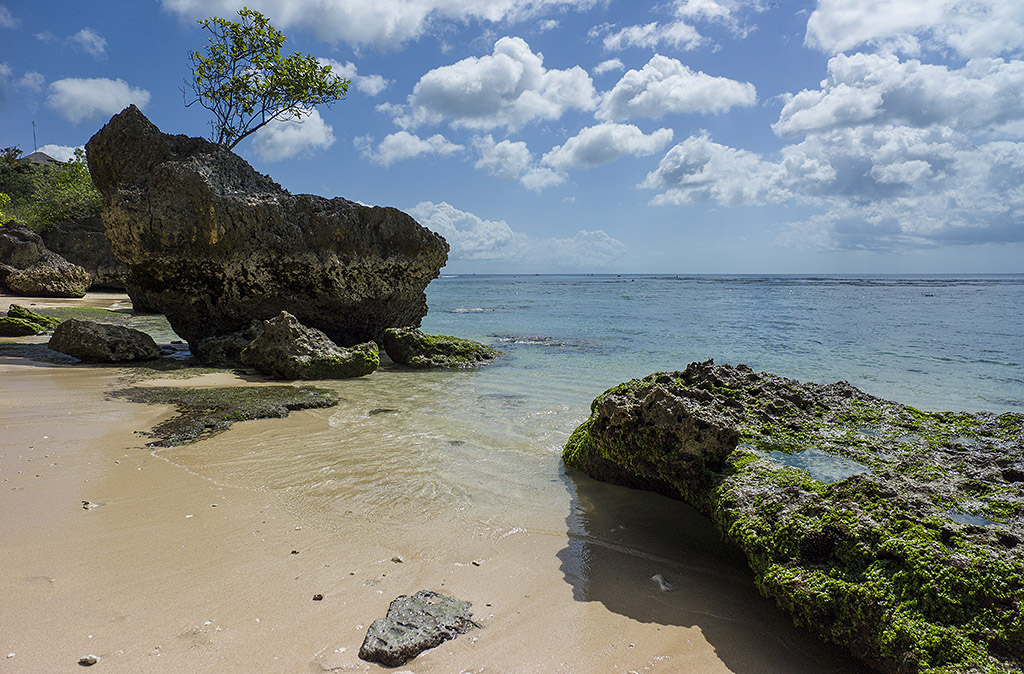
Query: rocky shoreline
column 892, row 531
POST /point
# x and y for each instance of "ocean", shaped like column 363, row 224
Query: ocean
column 444, row 465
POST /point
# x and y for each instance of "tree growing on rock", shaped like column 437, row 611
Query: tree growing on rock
column 245, row 81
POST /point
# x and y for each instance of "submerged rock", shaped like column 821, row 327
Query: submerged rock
column 409, row 346
column 213, row 244
column 900, row 537
column 204, row 412
column 28, row 267
column 102, row 342
column 289, row 350
column 412, row 625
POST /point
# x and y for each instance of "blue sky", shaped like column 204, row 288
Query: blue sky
column 685, row 136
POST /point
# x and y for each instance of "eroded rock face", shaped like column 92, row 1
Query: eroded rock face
column 895, row 532
column 29, row 268
column 83, row 242
column 102, row 342
column 213, row 244
column 409, row 346
column 412, row 625
column 289, row 350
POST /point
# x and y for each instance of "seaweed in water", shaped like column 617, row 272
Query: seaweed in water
column 204, row 412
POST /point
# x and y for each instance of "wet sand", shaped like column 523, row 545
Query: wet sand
column 191, row 560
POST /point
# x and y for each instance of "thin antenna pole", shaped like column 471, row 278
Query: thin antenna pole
column 35, row 146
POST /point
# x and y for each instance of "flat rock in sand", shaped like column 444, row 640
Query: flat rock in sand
column 412, row 625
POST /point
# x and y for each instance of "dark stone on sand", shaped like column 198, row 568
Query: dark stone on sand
column 410, row 346
column 889, row 530
column 102, row 342
column 414, row 624
column 213, row 244
column 287, row 349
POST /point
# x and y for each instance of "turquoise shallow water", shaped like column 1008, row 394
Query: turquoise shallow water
column 446, row 466
column 950, row 342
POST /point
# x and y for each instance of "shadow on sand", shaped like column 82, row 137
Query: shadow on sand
column 656, row 560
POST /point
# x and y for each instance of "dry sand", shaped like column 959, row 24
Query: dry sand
column 156, row 566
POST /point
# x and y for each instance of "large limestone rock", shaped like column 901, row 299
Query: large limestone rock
column 289, row 350
column 895, row 532
column 102, row 342
column 213, row 244
column 29, row 268
column 84, row 243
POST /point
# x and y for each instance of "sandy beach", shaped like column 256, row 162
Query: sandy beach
column 186, row 560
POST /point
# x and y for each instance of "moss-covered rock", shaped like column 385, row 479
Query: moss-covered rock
column 18, row 311
column 409, row 346
column 287, row 349
column 11, row 326
column 203, row 412
column 896, row 532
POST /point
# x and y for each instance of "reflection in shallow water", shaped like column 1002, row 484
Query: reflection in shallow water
column 821, row 466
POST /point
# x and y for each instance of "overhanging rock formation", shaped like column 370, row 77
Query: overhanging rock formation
column 213, row 244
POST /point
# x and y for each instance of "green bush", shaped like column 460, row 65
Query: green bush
column 43, row 195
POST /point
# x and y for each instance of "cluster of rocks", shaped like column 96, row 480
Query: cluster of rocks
column 213, row 245
column 287, row 349
column 895, row 532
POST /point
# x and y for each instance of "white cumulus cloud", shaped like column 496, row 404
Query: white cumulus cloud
column 512, row 160
column 603, row 143
column 608, row 66
column 509, row 88
column 869, row 88
column 405, row 145
column 371, row 85
column 76, row 99
column 473, row 238
column 680, row 30
column 699, row 169
column 60, row 152
column 284, row 139
column 381, row 23
column 665, row 86
column 972, row 28
column 876, row 186
column 91, row 41
column 505, row 159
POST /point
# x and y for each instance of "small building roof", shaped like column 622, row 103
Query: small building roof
column 40, row 158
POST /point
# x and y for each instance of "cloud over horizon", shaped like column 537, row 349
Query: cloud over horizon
column 473, row 239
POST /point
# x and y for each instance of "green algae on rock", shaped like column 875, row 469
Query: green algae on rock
column 18, row 311
column 914, row 559
column 11, row 326
column 411, row 347
column 203, row 412
column 287, row 349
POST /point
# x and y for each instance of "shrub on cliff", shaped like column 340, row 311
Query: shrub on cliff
column 246, row 83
